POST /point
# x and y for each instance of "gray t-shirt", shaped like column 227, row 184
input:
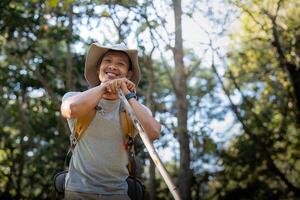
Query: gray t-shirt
column 98, row 163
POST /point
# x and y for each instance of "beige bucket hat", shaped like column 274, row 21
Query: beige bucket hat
column 97, row 51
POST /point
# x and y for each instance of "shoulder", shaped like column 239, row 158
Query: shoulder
column 69, row 94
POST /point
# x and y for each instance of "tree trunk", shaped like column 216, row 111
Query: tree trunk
column 291, row 68
column 69, row 70
column 21, row 161
column 151, row 105
column 185, row 175
column 294, row 73
column 152, row 182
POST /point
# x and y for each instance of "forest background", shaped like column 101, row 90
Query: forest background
column 222, row 77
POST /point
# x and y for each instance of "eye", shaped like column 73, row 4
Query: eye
column 107, row 60
column 121, row 64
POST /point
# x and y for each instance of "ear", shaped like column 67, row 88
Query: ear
column 129, row 74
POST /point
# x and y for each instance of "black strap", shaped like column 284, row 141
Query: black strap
column 66, row 165
column 131, row 156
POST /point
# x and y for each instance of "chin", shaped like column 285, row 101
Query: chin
column 110, row 96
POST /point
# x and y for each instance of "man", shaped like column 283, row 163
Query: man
column 98, row 166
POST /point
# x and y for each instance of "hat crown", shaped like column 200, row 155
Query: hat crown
column 119, row 47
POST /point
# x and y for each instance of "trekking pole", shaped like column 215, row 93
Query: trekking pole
column 150, row 147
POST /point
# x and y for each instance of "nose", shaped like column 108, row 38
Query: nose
column 112, row 66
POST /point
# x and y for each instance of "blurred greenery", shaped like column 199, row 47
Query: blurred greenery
column 256, row 157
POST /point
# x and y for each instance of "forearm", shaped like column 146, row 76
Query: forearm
column 76, row 106
column 149, row 123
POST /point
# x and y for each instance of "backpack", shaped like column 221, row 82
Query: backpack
column 136, row 189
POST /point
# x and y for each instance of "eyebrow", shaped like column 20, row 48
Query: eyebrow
column 130, row 65
column 119, row 58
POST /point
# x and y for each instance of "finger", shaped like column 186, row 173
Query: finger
column 117, row 85
column 108, row 88
column 123, row 86
column 131, row 83
column 131, row 87
column 113, row 89
column 127, row 82
column 111, row 86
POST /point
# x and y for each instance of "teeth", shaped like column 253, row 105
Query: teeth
column 111, row 74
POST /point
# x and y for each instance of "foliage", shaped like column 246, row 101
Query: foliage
column 40, row 48
column 33, row 136
column 263, row 160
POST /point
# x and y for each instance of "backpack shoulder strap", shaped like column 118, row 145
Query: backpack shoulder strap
column 128, row 140
column 82, row 123
column 80, row 126
column 126, row 124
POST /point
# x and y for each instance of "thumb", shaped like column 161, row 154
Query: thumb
column 124, row 87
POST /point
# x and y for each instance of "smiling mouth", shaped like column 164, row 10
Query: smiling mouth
column 111, row 74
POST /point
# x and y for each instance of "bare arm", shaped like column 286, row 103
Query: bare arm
column 81, row 103
column 149, row 123
column 77, row 105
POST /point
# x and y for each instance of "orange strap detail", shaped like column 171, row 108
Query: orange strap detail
column 82, row 123
column 128, row 131
column 126, row 125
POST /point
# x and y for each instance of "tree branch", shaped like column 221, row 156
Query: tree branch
column 265, row 150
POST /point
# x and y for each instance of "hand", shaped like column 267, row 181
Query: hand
column 127, row 86
column 111, row 86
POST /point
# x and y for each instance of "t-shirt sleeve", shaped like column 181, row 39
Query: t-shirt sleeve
column 71, row 122
column 69, row 94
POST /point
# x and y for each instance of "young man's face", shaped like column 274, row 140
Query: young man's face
column 115, row 64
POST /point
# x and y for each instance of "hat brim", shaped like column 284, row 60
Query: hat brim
column 96, row 52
